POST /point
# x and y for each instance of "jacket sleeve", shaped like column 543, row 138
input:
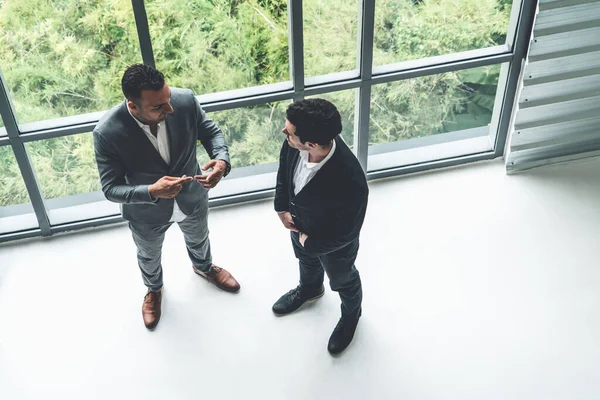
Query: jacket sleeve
column 211, row 137
column 112, row 175
column 346, row 225
column 282, row 197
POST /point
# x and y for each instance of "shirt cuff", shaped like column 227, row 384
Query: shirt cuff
column 227, row 164
column 147, row 190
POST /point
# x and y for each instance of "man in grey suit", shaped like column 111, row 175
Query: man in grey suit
column 146, row 155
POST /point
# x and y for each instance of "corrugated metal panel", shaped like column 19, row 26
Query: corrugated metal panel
column 580, row 129
column 567, row 19
column 557, row 69
column 550, row 4
column 558, row 115
column 559, row 91
column 565, row 44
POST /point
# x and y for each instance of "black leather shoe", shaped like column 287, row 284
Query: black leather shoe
column 343, row 334
column 295, row 298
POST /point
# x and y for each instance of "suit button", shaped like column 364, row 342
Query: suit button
column 293, row 216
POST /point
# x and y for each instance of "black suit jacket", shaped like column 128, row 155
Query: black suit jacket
column 331, row 208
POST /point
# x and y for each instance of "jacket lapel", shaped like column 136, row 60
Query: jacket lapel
column 291, row 170
column 140, row 140
column 173, row 140
column 325, row 177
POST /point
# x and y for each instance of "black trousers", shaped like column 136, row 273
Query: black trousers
column 339, row 266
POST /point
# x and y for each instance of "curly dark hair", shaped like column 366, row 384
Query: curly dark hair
column 316, row 120
column 138, row 77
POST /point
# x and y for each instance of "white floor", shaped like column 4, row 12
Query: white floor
column 477, row 285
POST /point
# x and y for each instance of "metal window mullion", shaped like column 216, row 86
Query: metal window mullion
column 366, row 32
column 23, row 160
column 365, row 66
column 143, row 29
column 513, row 22
column 361, row 123
column 296, row 45
column 521, row 46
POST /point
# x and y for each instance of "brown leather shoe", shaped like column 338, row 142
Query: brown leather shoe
column 151, row 308
column 221, row 278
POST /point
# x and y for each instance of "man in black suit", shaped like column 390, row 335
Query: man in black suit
column 321, row 197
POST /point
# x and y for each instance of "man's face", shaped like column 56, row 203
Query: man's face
column 154, row 106
column 294, row 141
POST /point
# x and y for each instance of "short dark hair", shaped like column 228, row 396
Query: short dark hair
column 140, row 77
column 316, row 120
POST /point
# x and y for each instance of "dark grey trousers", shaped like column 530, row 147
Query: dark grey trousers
column 339, row 266
column 149, row 240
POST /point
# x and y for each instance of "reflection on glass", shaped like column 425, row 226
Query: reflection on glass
column 252, row 133
column 16, row 212
column 211, row 46
column 433, row 104
column 414, row 29
column 330, row 36
column 62, row 58
column 344, row 102
column 68, row 177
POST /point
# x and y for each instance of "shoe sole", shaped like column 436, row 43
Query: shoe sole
column 199, row 273
column 309, row 301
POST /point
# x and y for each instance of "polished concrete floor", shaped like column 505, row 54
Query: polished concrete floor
column 477, row 285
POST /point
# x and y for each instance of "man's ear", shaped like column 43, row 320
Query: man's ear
column 132, row 105
column 312, row 145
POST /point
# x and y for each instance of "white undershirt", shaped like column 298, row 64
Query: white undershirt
column 161, row 144
column 306, row 170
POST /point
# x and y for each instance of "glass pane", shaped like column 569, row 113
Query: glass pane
column 433, row 105
column 414, row 29
column 16, row 212
column 67, row 57
column 344, row 102
column 433, row 118
column 211, row 46
column 2, row 129
column 252, row 133
column 330, row 36
column 68, row 177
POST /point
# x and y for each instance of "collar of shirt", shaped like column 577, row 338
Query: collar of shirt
column 145, row 127
column 319, row 165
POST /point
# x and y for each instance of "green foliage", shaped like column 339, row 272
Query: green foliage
column 330, row 36
column 66, row 57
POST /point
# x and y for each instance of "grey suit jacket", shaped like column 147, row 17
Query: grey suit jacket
column 128, row 163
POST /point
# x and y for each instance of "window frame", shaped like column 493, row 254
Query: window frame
column 256, row 182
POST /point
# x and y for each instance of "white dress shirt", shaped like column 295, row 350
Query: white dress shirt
column 306, row 170
column 161, row 144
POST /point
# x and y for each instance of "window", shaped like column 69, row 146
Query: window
column 68, row 178
column 330, row 36
column 255, row 139
column 431, row 110
column 65, row 58
column 414, row 29
column 253, row 134
column 16, row 212
column 212, row 46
